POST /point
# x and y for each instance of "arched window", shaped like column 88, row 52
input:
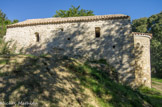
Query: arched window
column 37, row 36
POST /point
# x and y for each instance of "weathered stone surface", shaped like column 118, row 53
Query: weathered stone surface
column 143, row 65
column 77, row 39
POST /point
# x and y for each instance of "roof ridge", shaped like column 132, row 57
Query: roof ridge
column 30, row 22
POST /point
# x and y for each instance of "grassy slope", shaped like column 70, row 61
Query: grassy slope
column 157, row 84
column 157, row 80
column 111, row 93
column 53, row 81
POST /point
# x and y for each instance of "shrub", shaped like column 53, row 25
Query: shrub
column 5, row 47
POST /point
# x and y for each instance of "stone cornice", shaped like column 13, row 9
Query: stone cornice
column 142, row 34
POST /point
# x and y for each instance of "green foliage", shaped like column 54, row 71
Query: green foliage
column 152, row 25
column 15, row 21
column 4, row 21
column 32, row 74
column 139, row 25
column 157, row 80
column 73, row 12
column 4, row 47
column 4, row 61
column 155, row 26
column 152, row 96
column 110, row 93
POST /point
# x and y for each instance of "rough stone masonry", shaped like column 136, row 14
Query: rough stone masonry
column 93, row 37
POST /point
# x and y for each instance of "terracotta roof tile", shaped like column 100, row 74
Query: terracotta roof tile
column 30, row 22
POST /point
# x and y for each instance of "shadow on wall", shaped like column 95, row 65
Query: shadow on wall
column 46, row 81
column 139, row 74
column 115, row 44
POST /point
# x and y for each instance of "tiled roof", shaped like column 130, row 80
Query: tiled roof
column 30, row 22
column 138, row 33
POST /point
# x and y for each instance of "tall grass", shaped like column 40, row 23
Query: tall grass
column 5, row 47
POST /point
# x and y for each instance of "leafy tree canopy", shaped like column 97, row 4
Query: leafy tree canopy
column 4, row 21
column 73, row 12
column 140, row 25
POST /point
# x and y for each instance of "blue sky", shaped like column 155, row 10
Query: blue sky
column 30, row 9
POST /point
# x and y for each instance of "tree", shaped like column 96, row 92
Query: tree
column 153, row 25
column 139, row 25
column 73, row 12
column 4, row 46
column 4, row 21
column 15, row 21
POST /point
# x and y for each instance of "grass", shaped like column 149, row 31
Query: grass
column 107, row 92
column 110, row 93
column 153, row 96
column 4, row 47
column 156, row 79
column 3, row 61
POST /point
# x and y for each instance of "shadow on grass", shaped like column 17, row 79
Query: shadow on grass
column 40, row 81
column 57, row 81
column 153, row 96
column 109, row 92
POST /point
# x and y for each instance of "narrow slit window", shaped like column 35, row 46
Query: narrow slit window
column 97, row 32
column 37, row 37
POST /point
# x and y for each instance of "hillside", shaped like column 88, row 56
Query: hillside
column 53, row 81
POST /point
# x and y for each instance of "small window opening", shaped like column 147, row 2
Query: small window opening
column 37, row 36
column 61, row 29
column 68, row 38
column 97, row 32
column 113, row 46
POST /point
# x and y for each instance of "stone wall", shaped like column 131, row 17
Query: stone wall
column 75, row 39
column 143, row 64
